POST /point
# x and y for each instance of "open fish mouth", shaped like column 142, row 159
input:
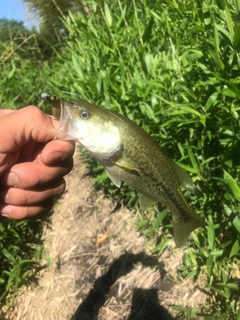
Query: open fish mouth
column 66, row 118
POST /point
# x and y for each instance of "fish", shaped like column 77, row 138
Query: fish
column 130, row 155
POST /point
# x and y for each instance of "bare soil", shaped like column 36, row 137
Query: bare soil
column 100, row 267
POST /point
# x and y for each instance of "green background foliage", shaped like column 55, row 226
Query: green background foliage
column 174, row 68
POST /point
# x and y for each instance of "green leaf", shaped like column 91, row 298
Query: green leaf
column 203, row 119
column 221, row 4
column 161, row 215
column 211, row 100
column 193, row 159
column 148, row 30
column 216, row 58
column 230, row 23
column 8, row 255
column 12, row 72
column 108, row 15
column 236, row 37
column 221, row 292
column 235, row 248
column 232, row 86
column 227, row 209
column 211, row 233
column 77, row 67
column 236, row 223
column 141, row 224
column 216, row 253
column 187, row 168
column 192, row 273
column 161, row 247
column 232, row 286
column 190, row 110
column 232, row 185
column 209, row 265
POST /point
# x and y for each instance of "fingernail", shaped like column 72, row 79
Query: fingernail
column 6, row 211
column 12, row 180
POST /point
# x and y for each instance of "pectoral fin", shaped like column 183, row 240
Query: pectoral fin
column 114, row 180
column 145, row 202
column 126, row 164
column 184, row 179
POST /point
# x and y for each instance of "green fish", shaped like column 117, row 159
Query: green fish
column 131, row 155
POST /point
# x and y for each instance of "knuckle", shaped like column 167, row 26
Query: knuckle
column 62, row 187
column 34, row 111
column 26, row 199
column 32, row 211
column 69, row 165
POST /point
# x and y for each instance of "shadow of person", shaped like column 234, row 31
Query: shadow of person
column 145, row 306
column 89, row 308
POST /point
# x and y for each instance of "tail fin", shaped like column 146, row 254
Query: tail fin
column 182, row 229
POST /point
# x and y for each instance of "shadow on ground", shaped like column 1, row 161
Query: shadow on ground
column 144, row 304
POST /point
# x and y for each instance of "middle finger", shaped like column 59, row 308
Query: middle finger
column 35, row 174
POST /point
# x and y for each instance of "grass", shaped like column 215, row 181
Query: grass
column 20, row 241
column 20, row 254
column 174, row 69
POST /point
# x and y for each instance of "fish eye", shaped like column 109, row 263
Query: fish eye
column 84, row 115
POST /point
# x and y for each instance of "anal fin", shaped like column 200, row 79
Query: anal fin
column 145, row 202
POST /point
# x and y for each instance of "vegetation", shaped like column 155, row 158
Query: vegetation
column 175, row 68
column 51, row 13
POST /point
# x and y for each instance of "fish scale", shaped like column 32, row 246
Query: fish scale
column 131, row 155
column 152, row 185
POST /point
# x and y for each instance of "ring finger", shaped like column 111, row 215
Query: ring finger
column 22, row 197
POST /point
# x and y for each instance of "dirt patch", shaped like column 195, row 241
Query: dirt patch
column 101, row 267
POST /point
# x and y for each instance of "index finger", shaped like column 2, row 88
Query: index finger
column 23, row 125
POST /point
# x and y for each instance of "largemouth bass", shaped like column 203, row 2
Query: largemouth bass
column 131, row 155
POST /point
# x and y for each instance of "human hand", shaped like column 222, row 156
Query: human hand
column 32, row 165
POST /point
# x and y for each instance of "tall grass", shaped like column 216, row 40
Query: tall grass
column 173, row 67
column 23, row 66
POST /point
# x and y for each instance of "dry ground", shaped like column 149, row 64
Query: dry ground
column 101, row 268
